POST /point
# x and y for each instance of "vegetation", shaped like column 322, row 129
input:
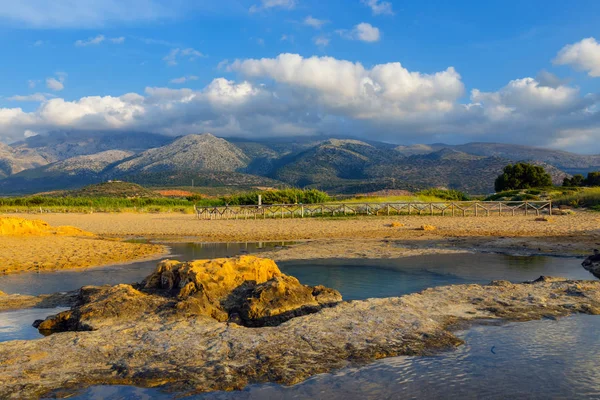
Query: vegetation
column 449, row 195
column 583, row 197
column 522, row 176
column 283, row 196
column 593, row 179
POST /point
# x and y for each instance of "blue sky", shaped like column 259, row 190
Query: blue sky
column 404, row 72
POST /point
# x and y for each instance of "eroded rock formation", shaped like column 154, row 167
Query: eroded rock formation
column 592, row 264
column 175, row 329
column 12, row 226
column 247, row 290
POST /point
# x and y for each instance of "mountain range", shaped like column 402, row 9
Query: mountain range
column 64, row 160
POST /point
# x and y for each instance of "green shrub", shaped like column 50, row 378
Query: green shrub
column 522, row 176
column 450, row 195
column 283, row 196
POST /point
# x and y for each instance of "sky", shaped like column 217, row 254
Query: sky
column 397, row 71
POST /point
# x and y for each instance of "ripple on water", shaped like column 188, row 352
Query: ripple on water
column 533, row 360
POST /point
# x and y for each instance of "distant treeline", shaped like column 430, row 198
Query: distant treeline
column 593, row 179
column 284, row 196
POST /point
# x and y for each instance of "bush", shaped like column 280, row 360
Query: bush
column 522, row 176
column 450, row 195
column 284, row 196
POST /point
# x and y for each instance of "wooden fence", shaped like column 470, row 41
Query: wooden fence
column 451, row 208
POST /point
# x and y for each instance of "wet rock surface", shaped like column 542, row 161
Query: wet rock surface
column 592, row 264
column 160, row 336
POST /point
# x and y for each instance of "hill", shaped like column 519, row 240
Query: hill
column 58, row 146
column 108, row 189
column 192, row 152
column 13, row 161
column 336, row 165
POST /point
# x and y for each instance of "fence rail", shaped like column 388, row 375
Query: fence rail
column 450, row 208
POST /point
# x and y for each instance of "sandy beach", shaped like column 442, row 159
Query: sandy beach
column 357, row 237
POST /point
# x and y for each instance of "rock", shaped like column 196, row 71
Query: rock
column 427, row 228
column 247, row 289
column 545, row 219
column 396, row 225
column 190, row 355
column 12, row 226
column 592, row 264
column 278, row 300
column 2, row 293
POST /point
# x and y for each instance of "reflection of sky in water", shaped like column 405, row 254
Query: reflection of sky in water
column 356, row 279
column 533, row 360
column 16, row 325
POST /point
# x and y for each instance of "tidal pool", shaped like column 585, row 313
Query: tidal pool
column 540, row 359
column 532, row 360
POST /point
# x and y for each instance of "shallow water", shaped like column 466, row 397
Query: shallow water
column 16, row 325
column 534, row 360
column 541, row 359
column 355, row 279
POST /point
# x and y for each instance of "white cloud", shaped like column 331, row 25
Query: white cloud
column 174, row 55
column 29, row 133
column 184, row 79
column 36, row 97
column 379, row 7
column 268, row 4
column 43, row 14
column 314, row 22
column 38, row 43
column 32, row 83
column 54, row 84
column 290, row 95
column 90, row 41
column 363, row 31
column 322, row 41
column 583, row 55
column 99, row 39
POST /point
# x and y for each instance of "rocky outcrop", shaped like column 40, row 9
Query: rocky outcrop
column 247, row 290
column 192, row 354
column 18, row 301
column 11, row 226
column 592, row 264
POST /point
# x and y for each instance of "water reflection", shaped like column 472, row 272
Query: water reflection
column 533, row 360
column 16, row 325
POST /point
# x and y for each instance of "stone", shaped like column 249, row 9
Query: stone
column 545, row 219
column 12, row 226
column 192, row 354
column 247, row 289
column 592, row 264
column 396, row 225
column 427, row 228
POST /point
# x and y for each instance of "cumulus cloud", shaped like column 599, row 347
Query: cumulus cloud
column 174, row 55
column 184, row 79
column 314, row 22
column 379, row 7
column 118, row 40
column 268, row 4
column 292, row 95
column 583, row 55
column 363, row 31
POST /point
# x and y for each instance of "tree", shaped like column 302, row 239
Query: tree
column 575, row 181
column 522, row 176
column 593, row 179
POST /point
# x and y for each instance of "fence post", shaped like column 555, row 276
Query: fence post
column 550, row 207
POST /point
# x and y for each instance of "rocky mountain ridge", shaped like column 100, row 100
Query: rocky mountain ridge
column 337, row 165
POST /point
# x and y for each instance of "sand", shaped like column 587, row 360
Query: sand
column 34, row 245
column 355, row 237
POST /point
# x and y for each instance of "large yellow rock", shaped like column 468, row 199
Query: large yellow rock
column 12, row 226
column 214, row 278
